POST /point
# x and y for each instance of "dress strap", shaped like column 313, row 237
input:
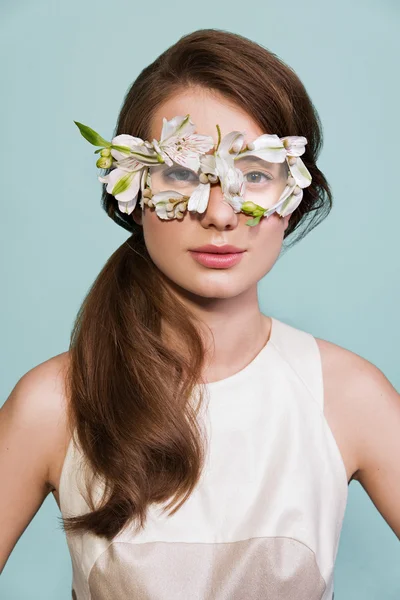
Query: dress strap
column 300, row 350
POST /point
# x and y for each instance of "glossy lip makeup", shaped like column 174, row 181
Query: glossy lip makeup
column 217, row 257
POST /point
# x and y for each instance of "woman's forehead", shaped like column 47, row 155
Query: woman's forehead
column 206, row 111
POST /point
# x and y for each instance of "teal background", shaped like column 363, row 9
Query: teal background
column 74, row 61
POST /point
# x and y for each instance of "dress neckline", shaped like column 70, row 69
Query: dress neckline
column 250, row 368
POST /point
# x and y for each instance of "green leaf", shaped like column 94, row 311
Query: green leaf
column 91, row 135
column 253, row 222
column 98, row 150
column 122, row 184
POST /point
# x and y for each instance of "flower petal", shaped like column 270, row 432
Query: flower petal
column 267, row 147
column 166, row 196
column 160, row 152
column 288, row 191
column 199, row 143
column 185, row 158
column 143, row 178
column 124, row 140
column 208, row 164
column 129, row 163
column 235, row 201
column 198, row 200
column 227, row 143
column 161, row 200
column 178, row 126
column 290, row 204
column 123, row 185
column 161, row 210
column 233, row 187
column 300, row 173
column 295, row 144
column 224, row 159
column 128, row 207
column 142, row 154
column 222, row 166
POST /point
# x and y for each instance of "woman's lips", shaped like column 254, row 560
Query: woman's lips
column 217, row 261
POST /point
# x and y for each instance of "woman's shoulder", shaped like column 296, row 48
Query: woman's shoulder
column 343, row 368
column 367, row 407
column 355, row 390
column 38, row 406
column 42, row 389
column 33, row 437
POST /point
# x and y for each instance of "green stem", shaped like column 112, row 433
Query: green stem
column 219, row 137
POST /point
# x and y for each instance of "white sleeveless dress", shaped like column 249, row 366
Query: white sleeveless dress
column 264, row 521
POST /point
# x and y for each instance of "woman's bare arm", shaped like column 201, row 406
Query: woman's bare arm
column 32, row 434
column 377, row 409
column 371, row 406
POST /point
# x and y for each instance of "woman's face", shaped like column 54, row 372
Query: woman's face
column 169, row 241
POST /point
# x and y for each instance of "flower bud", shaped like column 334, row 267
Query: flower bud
column 212, row 178
column 203, row 178
column 146, row 193
column 104, row 162
column 169, row 207
column 181, row 206
column 105, row 152
column 250, row 146
column 249, row 206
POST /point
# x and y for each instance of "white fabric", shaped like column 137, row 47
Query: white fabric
column 266, row 516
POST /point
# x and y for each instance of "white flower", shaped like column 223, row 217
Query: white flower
column 233, row 186
column 291, row 202
column 179, row 144
column 228, row 149
column 198, row 200
column 127, row 141
column 207, row 164
column 294, row 144
column 274, row 149
column 144, row 182
column 299, row 172
column 163, row 200
column 287, row 203
column 267, row 147
column 292, row 195
column 124, row 186
column 221, row 165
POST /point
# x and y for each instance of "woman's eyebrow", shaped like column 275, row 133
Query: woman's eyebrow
column 256, row 159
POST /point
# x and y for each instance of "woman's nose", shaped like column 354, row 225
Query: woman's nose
column 219, row 213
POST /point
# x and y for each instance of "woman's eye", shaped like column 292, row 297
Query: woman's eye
column 182, row 175
column 257, row 177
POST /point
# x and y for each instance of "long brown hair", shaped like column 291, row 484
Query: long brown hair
column 129, row 386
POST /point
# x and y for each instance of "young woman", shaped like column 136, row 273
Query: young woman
column 197, row 448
